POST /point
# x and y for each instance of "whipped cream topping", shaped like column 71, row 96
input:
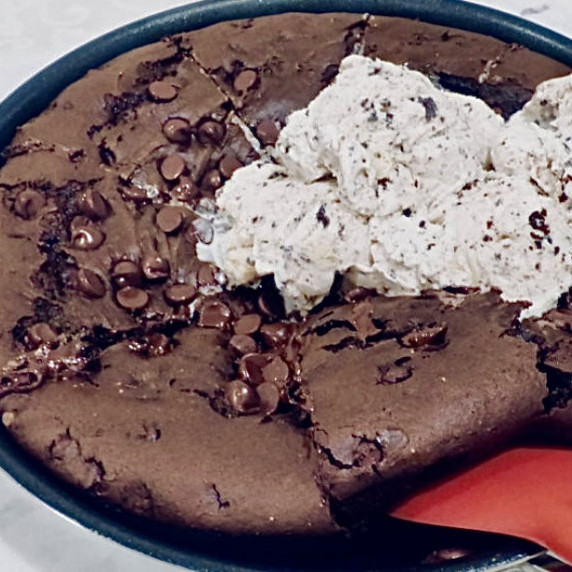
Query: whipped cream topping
column 402, row 187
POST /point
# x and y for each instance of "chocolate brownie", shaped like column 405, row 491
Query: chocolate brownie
column 130, row 370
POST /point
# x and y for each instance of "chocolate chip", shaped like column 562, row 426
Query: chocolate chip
column 211, row 132
column 156, row 267
column 433, row 336
column 251, row 365
column 275, row 335
column 132, row 298
column 127, row 273
column 242, row 344
column 172, row 167
column 92, row 204
column 267, row 131
column 241, row 397
column 228, row 165
column 185, row 191
column 170, row 219
column 40, row 334
column 177, row 130
column 28, row 203
column 247, row 324
column 206, row 276
column 244, row 81
column 212, row 180
column 214, row 314
column 269, row 398
column 203, row 230
column 276, row 371
column 180, row 294
column 87, row 238
column 90, row 283
column 162, row 91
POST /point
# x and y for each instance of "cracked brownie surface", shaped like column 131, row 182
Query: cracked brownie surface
column 131, row 371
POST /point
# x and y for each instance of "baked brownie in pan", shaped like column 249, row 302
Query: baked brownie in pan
column 139, row 359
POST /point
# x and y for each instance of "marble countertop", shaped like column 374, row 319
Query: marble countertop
column 33, row 538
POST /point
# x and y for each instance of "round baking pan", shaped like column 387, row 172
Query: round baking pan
column 386, row 545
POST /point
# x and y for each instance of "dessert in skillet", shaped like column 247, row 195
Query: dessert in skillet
column 222, row 315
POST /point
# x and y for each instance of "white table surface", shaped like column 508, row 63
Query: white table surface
column 33, row 33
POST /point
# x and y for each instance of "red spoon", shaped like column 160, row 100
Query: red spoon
column 524, row 492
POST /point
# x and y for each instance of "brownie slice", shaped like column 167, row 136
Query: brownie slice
column 140, row 432
column 402, row 388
